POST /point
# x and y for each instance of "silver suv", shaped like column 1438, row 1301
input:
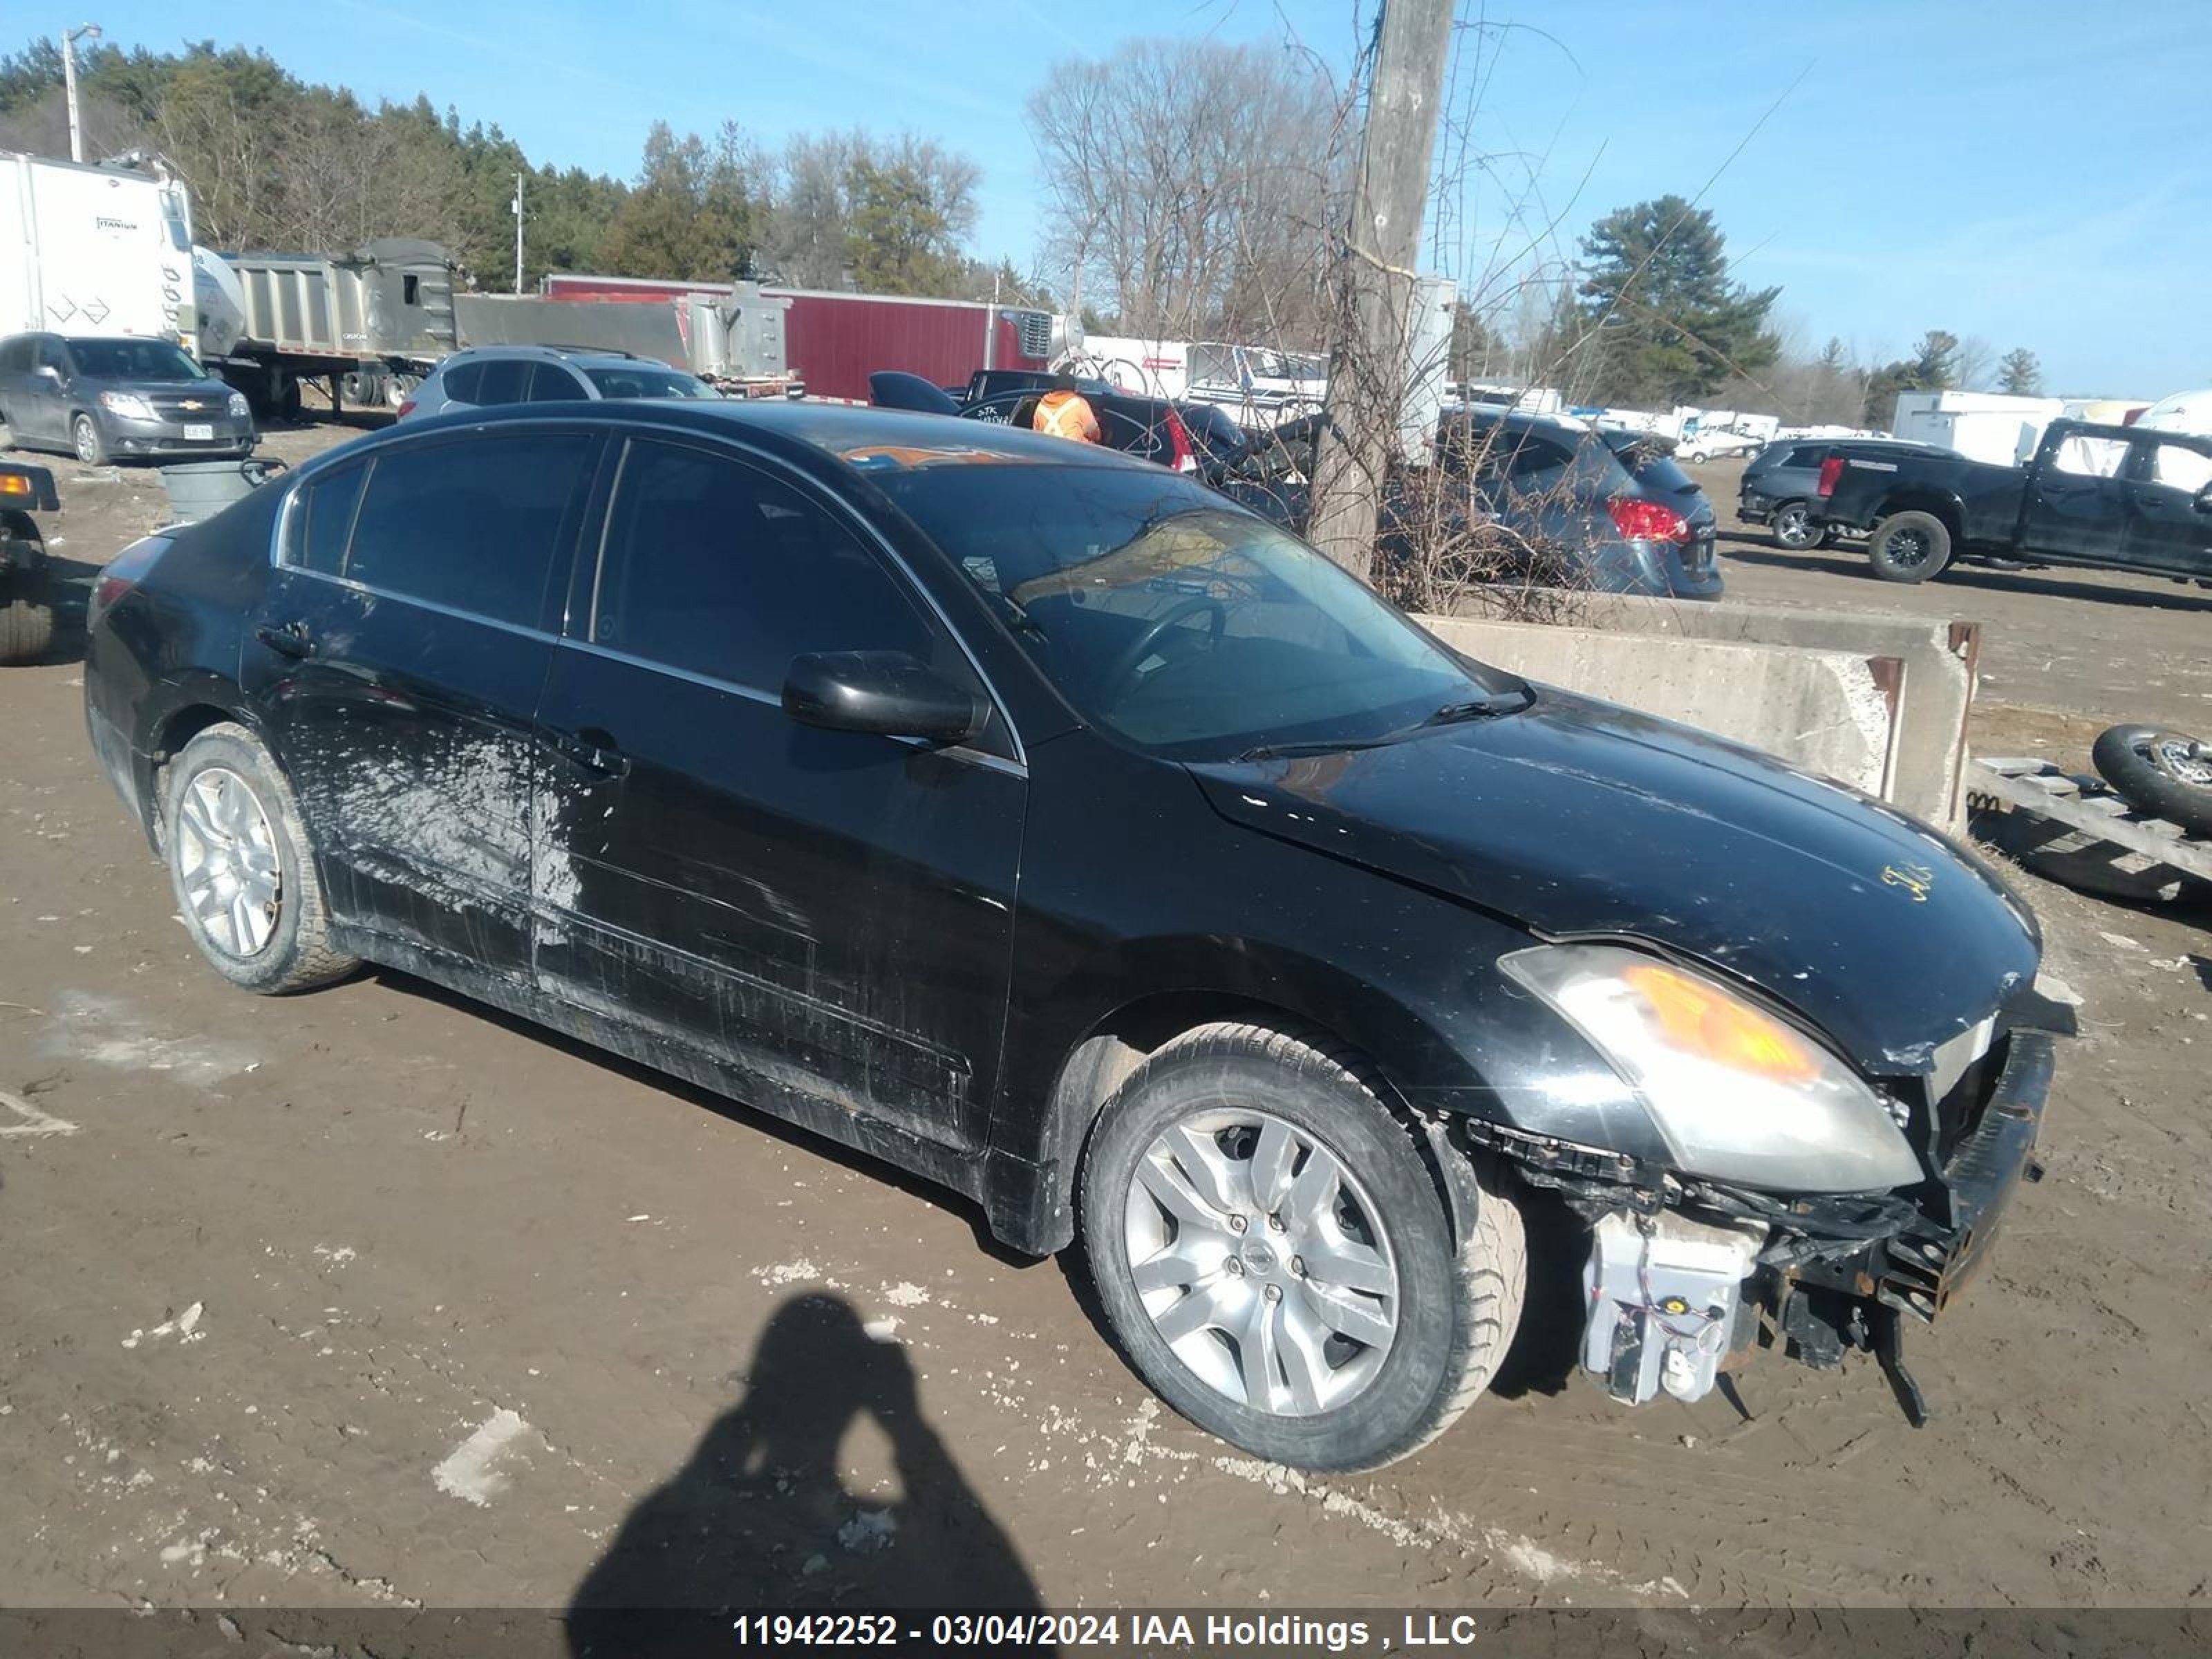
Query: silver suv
column 483, row 376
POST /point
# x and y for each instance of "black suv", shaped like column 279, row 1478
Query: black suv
column 1780, row 488
column 1039, row 821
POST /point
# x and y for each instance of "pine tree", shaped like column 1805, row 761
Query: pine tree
column 1662, row 323
column 2020, row 374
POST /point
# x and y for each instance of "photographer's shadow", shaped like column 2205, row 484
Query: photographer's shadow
column 760, row 1517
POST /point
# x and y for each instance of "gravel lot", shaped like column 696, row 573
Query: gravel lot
column 371, row 1297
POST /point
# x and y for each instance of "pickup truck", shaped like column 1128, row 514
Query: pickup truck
column 2114, row 498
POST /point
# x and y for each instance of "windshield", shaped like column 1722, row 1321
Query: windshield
column 132, row 360
column 644, row 382
column 1187, row 627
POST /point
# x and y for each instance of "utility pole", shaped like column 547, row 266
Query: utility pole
column 1375, row 277
column 69, row 38
column 517, row 232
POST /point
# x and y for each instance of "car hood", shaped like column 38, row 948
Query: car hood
column 1578, row 818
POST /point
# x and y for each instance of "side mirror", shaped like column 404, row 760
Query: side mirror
column 2205, row 499
column 48, row 372
column 888, row 693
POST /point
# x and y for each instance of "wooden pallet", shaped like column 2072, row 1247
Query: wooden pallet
column 2079, row 830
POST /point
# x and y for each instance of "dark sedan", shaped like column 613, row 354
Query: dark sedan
column 1039, row 821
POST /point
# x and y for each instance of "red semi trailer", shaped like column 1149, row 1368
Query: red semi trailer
column 834, row 341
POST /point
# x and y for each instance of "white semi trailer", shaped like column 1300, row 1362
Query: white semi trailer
column 88, row 249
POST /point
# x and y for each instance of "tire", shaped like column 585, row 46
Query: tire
column 27, row 617
column 85, row 438
column 1909, row 547
column 1795, row 528
column 1328, row 1401
column 295, row 953
column 2154, row 769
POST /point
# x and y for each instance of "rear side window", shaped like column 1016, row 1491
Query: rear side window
column 324, row 519
column 474, row 525
column 506, row 380
column 713, row 567
column 1811, row 455
column 550, row 383
column 2179, row 466
column 462, row 382
column 15, row 354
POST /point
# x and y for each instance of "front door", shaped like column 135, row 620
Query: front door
column 823, row 918
column 406, row 637
column 2169, row 514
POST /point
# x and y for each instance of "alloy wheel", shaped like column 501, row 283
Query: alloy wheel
column 1908, row 550
column 2182, row 758
column 87, row 440
column 1262, row 1261
column 1793, row 527
column 227, row 861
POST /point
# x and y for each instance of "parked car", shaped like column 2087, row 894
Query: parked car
column 27, row 595
column 1193, row 437
column 1650, row 460
column 1781, row 487
column 1037, row 821
column 1696, row 446
column 1564, row 490
column 488, row 377
column 112, row 398
column 2116, row 497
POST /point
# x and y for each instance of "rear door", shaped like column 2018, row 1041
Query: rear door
column 824, row 917
column 406, row 637
column 2169, row 516
column 2075, row 507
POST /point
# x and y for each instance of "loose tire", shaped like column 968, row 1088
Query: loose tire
column 27, row 617
column 85, row 438
column 1343, row 1305
column 1796, row 529
column 1909, row 547
column 2156, row 770
column 242, row 867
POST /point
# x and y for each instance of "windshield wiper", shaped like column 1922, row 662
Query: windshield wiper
column 1449, row 715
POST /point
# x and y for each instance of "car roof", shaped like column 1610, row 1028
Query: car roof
column 858, row 439
column 606, row 355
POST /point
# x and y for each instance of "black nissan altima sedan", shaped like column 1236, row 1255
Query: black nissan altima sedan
column 1037, row 820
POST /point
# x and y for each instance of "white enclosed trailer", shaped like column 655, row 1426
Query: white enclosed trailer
column 1983, row 426
column 95, row 250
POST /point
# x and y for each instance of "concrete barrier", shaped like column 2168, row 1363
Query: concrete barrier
column 1874, row 702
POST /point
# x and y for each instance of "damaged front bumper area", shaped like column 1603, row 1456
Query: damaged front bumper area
column 1686, row 1276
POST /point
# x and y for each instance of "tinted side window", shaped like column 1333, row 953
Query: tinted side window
column 322, row 519
column 550, row 383
column 506, row 380
column 2185, row 467
column 713, row 567
column 15, row 354
column 475, row 524
column 462, row 383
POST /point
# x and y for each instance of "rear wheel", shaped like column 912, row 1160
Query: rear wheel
column 1796, row 529
column 1273, row 1252
column 2167, row 773
column 27, row 616
column 1909, row 547
column 242, row 867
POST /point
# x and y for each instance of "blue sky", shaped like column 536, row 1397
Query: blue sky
column 2026, row 173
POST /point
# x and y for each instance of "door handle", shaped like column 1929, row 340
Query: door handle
column 291, row 640
column 594, row 749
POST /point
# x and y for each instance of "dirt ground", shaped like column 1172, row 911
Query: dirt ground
column 371, row 1298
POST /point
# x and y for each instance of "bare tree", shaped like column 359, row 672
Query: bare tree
column 1190, row 187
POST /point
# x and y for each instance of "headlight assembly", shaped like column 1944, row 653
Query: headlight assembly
column 1736, row 1094
column 240, row 408
column 128, row 404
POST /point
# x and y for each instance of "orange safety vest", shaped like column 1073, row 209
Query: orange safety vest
column 1065, row 415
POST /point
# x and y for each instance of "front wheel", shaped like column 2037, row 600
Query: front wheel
column 86, row 439
column 1796, row 529
column 1273, row 1254
column 242, row 866
column 1909, row 547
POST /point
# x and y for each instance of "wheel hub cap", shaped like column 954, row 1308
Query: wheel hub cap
column 227, row 861
column 1262, row 1261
